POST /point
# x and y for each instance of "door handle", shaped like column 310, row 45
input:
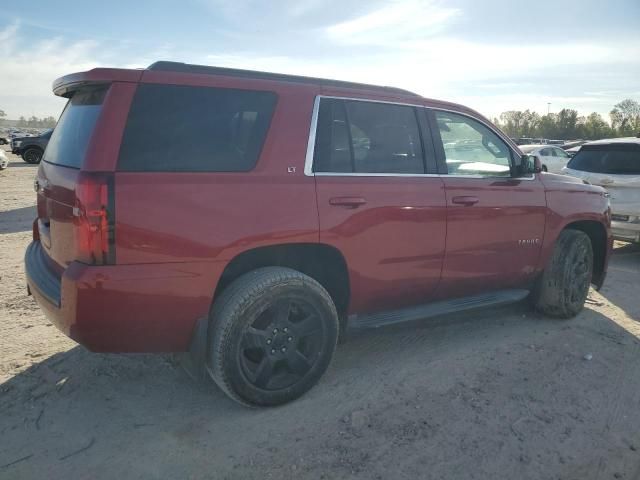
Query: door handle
column 465, row 200
column 348, row 202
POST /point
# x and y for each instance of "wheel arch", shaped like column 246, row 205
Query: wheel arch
column 32, row 147
column 597, row 233
column 322, row 262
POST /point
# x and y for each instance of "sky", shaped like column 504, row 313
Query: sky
column 491, row 55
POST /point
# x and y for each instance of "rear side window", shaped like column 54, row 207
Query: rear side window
column 367, row 137
column 70, row 138
column 174, row 128
column 621, row 159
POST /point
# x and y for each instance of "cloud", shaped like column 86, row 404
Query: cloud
column 394, row 24
column 426, row 46
column 29, row 70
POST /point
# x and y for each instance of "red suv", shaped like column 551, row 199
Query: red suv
column 248, row 218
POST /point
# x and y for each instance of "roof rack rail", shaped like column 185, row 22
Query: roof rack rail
column 166, row 66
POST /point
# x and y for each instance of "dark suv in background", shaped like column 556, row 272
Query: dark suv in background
column 31, row 149
column 251, row 218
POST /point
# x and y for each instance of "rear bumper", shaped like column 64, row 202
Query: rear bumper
column 123, row 308
column 626, row 231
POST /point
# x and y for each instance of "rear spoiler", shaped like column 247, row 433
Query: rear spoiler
column 65, row 86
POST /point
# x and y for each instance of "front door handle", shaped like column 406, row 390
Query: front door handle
column 348, row 202
column 465, row 200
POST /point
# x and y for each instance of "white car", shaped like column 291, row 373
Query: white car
column 553, row 158
column 615, row 165
column 4, row 161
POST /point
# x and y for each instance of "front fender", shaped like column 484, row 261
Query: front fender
column 573, row 204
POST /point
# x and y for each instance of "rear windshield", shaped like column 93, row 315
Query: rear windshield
column 621, row 159
column 70, row 138
column 175, row 128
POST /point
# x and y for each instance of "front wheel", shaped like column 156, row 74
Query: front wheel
column 564, row 285
column 32, row 155
column 272, row 334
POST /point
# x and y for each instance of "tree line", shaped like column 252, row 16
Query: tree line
column 35, row 122
column 31, row 122
column 567, row 124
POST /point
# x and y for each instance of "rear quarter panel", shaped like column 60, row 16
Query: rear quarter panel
column 184, row 217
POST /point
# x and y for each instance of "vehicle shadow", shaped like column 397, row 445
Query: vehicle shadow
column 17, row 220
column 21, row 164
column 481, row 378
column 621, row 287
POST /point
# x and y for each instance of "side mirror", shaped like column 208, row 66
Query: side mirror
column 528, row 164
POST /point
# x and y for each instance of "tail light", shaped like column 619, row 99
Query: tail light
column 94, row 217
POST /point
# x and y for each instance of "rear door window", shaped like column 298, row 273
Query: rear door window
column 367, row 137
column 70, row 138
column 174, row 128
column 614, row 158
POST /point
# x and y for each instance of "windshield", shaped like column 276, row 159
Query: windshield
column 620, row 159
column 71, row 136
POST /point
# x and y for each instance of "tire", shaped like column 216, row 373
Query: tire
column 272, row 334
column 563, row 287
column 32, row 155
column 544, row 168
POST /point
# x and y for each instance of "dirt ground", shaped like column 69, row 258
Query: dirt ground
column 499, row 394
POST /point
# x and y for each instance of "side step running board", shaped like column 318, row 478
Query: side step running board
column 381, row 319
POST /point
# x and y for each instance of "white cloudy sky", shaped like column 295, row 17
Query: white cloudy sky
column 493, row 55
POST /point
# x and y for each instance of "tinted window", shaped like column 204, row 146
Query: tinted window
column 623, row 159
column 195, row 129
column 367, row 137
column 70, row 138
column 558, row 152
column 470, row 148
column 332, row 151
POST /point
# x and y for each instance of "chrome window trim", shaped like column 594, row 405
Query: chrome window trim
column 311, row 144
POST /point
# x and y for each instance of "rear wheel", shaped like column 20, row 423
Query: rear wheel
column 564, row 285
column 32, row 155
column 272, row 334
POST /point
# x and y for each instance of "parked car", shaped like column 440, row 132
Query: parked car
column 286, row 211
column 614, row 164
column 553, row 159
column 4, row 161
column 31, row 149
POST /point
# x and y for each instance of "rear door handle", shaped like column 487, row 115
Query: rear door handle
column 465, row 200
column 348, row 202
